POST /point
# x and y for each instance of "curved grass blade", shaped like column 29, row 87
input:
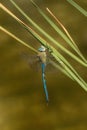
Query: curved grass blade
column 48, row 36
column 61, row 69
column 62, row 26
column 79, row 8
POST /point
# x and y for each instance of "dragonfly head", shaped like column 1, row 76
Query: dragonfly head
column 42, row 49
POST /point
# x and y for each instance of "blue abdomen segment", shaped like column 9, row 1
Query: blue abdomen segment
column 44, row 81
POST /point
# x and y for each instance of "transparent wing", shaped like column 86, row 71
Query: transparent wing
column 32, row 60
column 49, row 66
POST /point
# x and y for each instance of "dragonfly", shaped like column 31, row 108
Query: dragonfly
column 40, row 61
column 43, row 59
column 64, row 65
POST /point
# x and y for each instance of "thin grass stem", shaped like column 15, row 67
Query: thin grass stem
column 79, row 8
column 17, row 39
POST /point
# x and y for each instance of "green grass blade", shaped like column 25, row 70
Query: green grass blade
column 81, row 10
column 61, row 69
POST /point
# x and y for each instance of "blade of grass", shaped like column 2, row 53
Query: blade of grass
column 79, row 8
column 59, row 32
column 17, row 39
column 56, row 55
column 48, row 36
column 61, row 69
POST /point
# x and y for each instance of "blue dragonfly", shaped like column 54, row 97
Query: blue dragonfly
column 43, row 59
column 40, row 61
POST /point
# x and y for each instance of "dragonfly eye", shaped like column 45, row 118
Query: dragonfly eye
column 42, row 49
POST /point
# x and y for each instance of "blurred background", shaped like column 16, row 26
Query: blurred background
column 22, row 100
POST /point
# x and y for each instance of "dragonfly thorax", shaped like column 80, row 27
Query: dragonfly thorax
column 42, row 56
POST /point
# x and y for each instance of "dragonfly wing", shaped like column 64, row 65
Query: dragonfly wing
column 49, row 66
column 32, row 60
